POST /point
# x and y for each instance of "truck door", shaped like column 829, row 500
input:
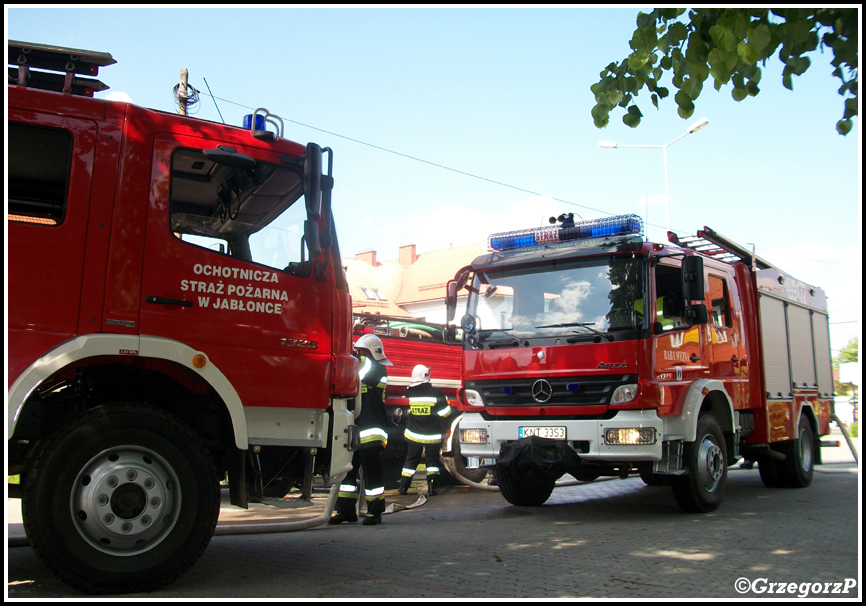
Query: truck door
column 50, row 160
column 226, row 271
column 727, row 359
column 680, row 349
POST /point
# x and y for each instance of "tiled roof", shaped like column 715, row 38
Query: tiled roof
column 366, row 283
column 387, row 286
column 425, row 279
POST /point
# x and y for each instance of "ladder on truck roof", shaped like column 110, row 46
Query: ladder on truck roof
column 61, row 68
column 714, row 245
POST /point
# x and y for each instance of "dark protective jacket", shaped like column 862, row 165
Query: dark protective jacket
column 372, row 420
column 428, row 409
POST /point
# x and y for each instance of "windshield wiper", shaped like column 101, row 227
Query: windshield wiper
column 585, row 325
column 503, row 331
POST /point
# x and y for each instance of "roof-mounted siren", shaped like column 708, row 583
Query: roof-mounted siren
column 56, row 68
column 257, row 122
column 617, row 227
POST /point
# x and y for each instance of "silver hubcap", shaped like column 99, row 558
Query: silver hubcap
column 710, row 464
column 805, row 450
column 125, row 500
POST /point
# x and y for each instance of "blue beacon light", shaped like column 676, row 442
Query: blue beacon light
column 620, row 225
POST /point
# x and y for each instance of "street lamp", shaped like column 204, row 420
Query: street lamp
column 692, row 129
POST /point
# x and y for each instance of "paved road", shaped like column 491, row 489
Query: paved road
column 616, row 538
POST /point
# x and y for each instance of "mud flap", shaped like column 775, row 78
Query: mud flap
column 537, row 460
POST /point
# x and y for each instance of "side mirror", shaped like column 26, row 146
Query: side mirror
column 451, row 301
column 311, row 234
column 697, row 314
column 693, row 279
column 313, row 180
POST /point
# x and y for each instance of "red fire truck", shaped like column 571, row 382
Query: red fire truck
column 408, row 342
column 592, row 352
column 177, row 311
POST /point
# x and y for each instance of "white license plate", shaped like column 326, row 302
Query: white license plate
column 554, row 433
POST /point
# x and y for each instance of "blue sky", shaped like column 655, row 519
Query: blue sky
column 503, row 95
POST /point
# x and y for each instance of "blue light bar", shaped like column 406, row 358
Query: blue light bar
column 620, row 225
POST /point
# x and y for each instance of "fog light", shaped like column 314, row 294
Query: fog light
column 630, row 436
column 473, row 436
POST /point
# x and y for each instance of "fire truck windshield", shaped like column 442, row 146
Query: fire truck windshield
column 597, row 297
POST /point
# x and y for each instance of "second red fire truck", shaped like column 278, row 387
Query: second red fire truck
column 590, row 351
column 407, row 342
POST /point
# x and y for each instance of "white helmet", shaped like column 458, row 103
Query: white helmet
column 420, row 374
column 373, row 344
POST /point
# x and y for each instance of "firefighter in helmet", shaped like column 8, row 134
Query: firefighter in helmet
column 371, row 425
column 425, row 428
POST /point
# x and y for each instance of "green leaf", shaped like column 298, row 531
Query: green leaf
column 637, row 61
column 686, row 106
column 739, row 94
column 631, row 120
column 600, row 111
column 759, row 37
column 843, row 127
column 747, row 53
column 723, row 37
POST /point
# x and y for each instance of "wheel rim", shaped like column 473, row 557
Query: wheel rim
column 711, row 464
column 805, row 450
column 125, row 501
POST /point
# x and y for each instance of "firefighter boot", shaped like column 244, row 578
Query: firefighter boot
column 375, row 509
column 405, row 483
column 344, row 512
column 433, row 485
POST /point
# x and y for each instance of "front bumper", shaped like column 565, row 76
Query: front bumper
column 586, row 437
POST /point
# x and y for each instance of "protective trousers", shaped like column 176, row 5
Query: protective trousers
column 413, row 459
column 367, row 459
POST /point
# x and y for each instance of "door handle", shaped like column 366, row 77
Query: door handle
column 164, row 301
column 694, row 358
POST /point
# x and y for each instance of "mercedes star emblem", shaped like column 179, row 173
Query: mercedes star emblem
column 541, row 391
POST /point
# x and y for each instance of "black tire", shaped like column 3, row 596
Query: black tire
column 769, row 468
column 522, row 493
column 123, row 500
column 645, row 470
column 702, row 487
column 799, row 465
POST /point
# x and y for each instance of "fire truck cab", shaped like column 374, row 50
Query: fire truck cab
column 591, row 352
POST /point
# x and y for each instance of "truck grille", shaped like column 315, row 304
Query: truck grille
column 563, row 391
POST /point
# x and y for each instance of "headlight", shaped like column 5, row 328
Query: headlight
column 473, row 398
column 473, row 436
column 630, row 436
column 624, row 393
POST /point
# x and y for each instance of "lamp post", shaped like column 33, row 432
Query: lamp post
column 692, row 129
